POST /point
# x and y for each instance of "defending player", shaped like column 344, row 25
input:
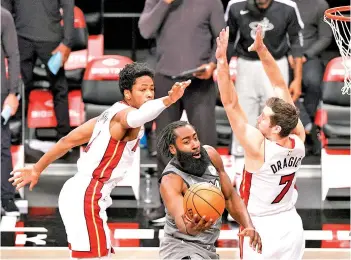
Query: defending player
column 273, row 154
column 193, row 163
column 112, row 140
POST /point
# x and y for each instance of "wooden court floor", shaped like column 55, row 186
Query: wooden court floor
column 55, row 253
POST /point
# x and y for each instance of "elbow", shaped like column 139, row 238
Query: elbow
column 66, row 143
column 144, row 32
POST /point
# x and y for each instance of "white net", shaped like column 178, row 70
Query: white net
column 342, row 34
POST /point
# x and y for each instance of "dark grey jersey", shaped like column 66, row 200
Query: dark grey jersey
column 209, row 236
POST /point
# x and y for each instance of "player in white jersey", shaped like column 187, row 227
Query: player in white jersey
column 273, row 154
column 112, row 139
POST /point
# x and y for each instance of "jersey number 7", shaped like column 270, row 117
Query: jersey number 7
column 287, row 180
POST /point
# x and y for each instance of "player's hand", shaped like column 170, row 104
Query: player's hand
column 295, row 90
column 24, row 176
column 196, row 225
column 209, row 68
column 12, row 101
column 177, row 90
column 255, row 239
column 222, row 44
column 258, row 43
column 65, row 51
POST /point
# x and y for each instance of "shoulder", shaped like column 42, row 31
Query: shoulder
column 5, row 15
column 214, row 156
column 234, row 7
column 171, row 180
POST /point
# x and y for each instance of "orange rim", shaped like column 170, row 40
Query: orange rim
column 331, row 13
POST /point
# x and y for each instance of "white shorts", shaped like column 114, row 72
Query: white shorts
column 282, row 237
column 82, row 204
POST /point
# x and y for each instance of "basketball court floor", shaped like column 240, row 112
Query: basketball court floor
column 39, row 233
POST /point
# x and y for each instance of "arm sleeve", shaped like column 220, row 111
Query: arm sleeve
column 68, row 21
column 295, row 27
column 7, row 4
column 233, row 31
column 324, row 34
column 10, row 46
column 146, row 113
column 217, row 24
column 152, row 17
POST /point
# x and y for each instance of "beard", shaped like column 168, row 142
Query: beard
column 191, row 165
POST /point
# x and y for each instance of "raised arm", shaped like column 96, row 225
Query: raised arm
column 249, row 137
column 275, row 76
column 133, row 118
column 234, row 204
column 152, row 17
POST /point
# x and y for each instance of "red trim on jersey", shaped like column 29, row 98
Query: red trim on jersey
column 110, row 160
column 292, row 140
column 245, row 195
column 97, row 237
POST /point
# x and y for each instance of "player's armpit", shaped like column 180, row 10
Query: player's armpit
column 250, row 138
column 79, row 135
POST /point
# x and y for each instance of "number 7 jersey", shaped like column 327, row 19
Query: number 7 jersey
column 270, row 190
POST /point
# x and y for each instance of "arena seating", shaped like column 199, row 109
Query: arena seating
column 334, row 120
column 41, row 114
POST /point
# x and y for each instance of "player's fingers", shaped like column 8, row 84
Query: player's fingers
column 15, row 171
column 208, row 224
column 254, row 241
column 32, row 184
column 22, row 184
column 251, row 48
column 259, row 245
column 17, row 181
column 201, row 223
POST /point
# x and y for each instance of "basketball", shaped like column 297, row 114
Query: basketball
column 204, row 199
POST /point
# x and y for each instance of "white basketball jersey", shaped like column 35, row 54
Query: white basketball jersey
column 104, row 158
column 270, row 190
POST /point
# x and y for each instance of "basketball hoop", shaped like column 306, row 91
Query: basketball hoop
column 339, row 20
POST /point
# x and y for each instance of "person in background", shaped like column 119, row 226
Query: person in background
column 185, row 33
column 9, row 91
column 282, row 31
column 317, row 36
column 40, row 34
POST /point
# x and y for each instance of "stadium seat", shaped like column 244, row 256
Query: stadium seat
column 100, row 90
column 41, row 115
column 334, row 120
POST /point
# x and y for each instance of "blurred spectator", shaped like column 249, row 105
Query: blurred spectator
column 317, row 36
column 9, row 90
column 282, row 25
column 185, row 33
column 40, row 34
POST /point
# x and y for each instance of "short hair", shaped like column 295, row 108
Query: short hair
column 285, row 115
column 167, row 137
column 131, row 72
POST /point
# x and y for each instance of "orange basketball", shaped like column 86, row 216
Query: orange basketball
column 204, row 199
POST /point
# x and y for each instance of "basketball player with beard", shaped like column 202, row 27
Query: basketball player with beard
column 273, row 154
column 193, row 163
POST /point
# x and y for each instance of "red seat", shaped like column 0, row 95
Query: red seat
column 100, row 84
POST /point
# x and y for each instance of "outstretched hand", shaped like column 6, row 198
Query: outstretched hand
column 222, row 44
column 24, row 176
column 258, row 43
column 177, row 90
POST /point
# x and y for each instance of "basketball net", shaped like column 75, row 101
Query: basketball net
column 340, row 25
